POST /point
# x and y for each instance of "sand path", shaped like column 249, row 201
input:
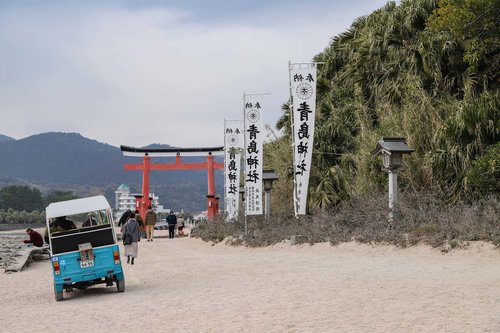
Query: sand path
column 185, row 285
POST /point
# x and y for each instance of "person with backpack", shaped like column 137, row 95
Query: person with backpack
column 171, row 221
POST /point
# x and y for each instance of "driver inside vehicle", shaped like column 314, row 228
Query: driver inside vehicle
column 59, row 224
column 90, row 221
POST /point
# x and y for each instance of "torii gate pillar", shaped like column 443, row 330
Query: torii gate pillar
column 146, row 167
column 212, row 206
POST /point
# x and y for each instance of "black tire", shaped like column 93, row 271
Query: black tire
column 120, row 285
column 59, row 295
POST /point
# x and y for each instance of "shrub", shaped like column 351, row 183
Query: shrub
column 422, row 218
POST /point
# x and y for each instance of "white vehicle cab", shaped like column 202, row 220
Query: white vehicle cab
column 83, row 246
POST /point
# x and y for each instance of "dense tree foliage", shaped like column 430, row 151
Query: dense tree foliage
column 21, row 198
column 23, row 204
column 57, row 195
column 474, row 24
column 421, row 69
column 18, row 217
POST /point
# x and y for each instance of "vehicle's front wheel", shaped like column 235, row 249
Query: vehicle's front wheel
column 120, row 285
column 59, row 295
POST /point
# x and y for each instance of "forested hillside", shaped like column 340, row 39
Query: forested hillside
column 4, row 138
column 421, row 69
column 71, row 162
column 61, row 158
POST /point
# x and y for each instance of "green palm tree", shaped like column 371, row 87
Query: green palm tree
column 463, row 138
column 392, row 74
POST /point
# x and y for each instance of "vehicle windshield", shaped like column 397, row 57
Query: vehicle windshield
column 78, row 221
column 67, row 233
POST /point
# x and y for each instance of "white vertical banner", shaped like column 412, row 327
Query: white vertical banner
column 303, row 100
column 254, row 137
column 233, row 146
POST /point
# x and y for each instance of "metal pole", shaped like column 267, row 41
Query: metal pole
column 225, row 175
column 245, row 165
column 268, row 204
column 290, row 106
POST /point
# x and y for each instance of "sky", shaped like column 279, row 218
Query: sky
column 141, row 72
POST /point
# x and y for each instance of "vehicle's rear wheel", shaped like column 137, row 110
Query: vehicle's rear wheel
column 120, row 285
column 59, row 295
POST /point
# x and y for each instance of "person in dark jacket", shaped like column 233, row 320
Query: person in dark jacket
column 90, row 221
column 35, row 238
column 63, row 223
column 125, row 216
column 171, row 221
column 59, row 224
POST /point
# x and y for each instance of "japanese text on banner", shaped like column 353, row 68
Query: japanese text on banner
column 254, row 133
column 303, row 96
column 233, row 146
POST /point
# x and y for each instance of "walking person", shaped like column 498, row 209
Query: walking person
column 123, row 219
column 131, row 238
column 171, row 221
column 138, row 218
column 150, row 222
column 180, row 227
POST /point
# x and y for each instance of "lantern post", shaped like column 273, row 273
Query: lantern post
column 268, row 177
column 242, row 194
column 392, row 150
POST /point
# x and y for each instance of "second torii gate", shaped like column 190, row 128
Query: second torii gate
column 210, row 165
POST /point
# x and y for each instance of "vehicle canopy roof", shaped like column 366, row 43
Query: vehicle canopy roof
column 76, row 206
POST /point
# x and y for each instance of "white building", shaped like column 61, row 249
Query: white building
column 125, row 200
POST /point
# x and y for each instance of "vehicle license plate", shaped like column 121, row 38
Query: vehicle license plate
column 86, row 263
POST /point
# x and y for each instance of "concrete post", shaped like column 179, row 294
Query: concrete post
column 393, row 193
column 268, row 204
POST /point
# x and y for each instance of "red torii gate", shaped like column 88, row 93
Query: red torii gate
column 147, row 166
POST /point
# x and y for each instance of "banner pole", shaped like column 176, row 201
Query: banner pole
column 245, row 165
column 292, row 126
column 225, row 171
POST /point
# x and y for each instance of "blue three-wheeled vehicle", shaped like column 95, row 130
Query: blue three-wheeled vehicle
column 83, row 246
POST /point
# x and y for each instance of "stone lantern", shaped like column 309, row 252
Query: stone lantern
column 268, row 177
column 392, row 150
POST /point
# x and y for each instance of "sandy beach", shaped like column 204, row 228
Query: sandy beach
column 186, row 285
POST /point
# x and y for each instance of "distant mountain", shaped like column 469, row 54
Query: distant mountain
column 69, row 161
column 5, row 138
column 157, row 146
